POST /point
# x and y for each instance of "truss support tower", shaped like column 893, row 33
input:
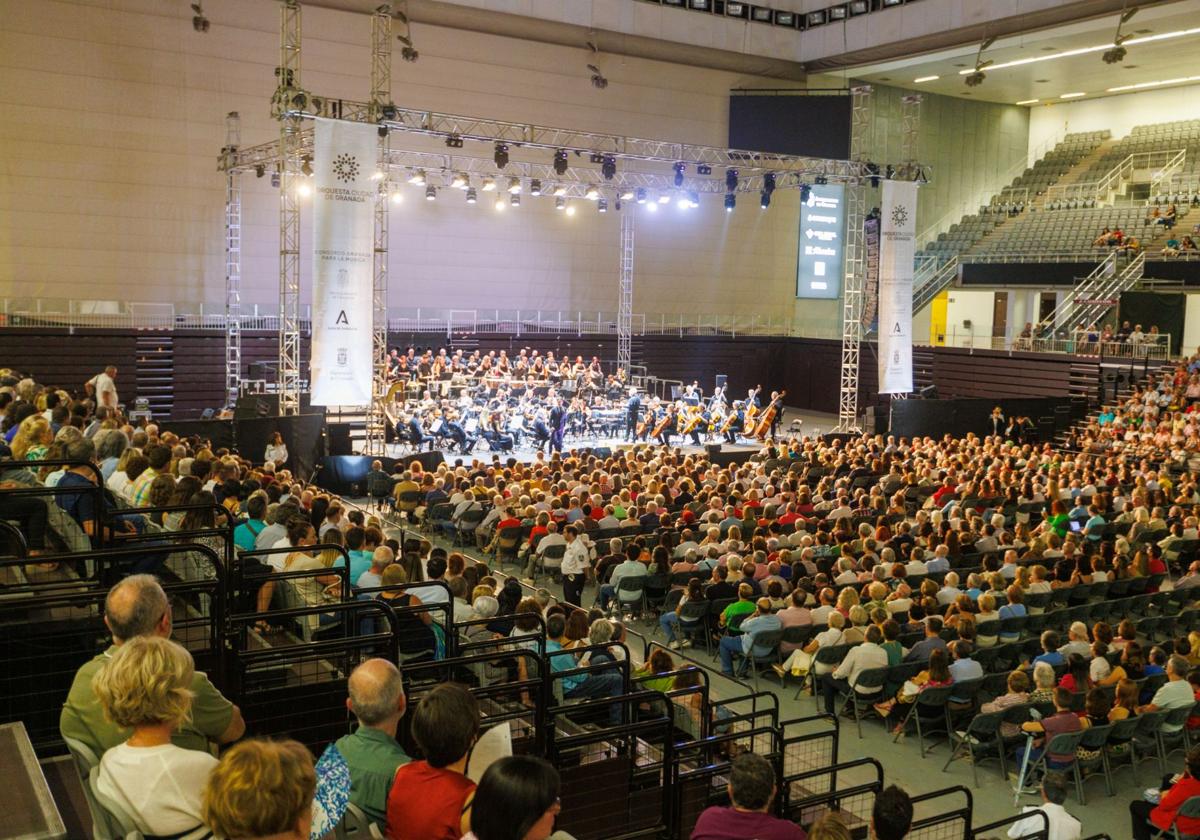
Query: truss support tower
column 855, row 263
column 910, row 167
column 625, row 303
column 288, row 105
column 233, row 261
column 381, row 102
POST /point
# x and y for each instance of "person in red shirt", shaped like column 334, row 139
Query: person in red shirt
column 751, row 788
column 1174, row 794
column 431, row 798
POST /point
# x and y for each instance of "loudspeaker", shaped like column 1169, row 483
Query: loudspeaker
column 429, row 460
column 720, row 381
column 724, row 459
column 338, row 438
column 712, row 449
column 602, row 451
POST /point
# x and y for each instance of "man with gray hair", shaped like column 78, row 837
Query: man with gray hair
column 367, row 759
column 137, row 606
column 380, row 560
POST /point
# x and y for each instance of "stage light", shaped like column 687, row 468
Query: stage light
column 560, row 162
column 769, row 183
column 730, row 202
column 560, row 189
column 815, row 19
column 837, row 12
column 378, row 175
column 417, row 179
column 703, row 169
column 499, row 203
column 602, row 205
column 694, row 198
column 805, row 192
column 199, row 22
column 489, row 184
column 680, row 168
column 641, row 195
column 731, row 179
column 471, row 195
column 501, row 155
column 785, row 19
column 560, row 203
column 275, row 180
column 514, row 185
column 592, row 193
column 820, row 180
column 975, row 79
column 889, row 172
column 570, row 209
column 859, row 7
column 535, row 187
column 608, row 167
column 682, row 202
column 303, row 189
column 306, row 166
column 663, row 198
column 652, row 207
column 764, row 199
column 397, row 196
column 454, row 141
column 430, row 192
column 260, row 171
column 626, row 194
column 459, row 181
column 514, row 200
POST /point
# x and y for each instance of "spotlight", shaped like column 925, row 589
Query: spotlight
column 602, row 205
column 275, row 180
column 805, row 192
column 1114, row 56
column 820, row 180
column 430, row 192
column 694, row 198
column 454, row 141
column 652, row 207
column 769, row 183
column 764, row 199
column 731, row 179
column 303, row 189
column 598, row 80
column 641, row 195
column 501, row 155
column 873, row 174
column 682, row 202
column 199, row 21
column 560, row 203
column 489, row 184
column 459, row 181
column 703, row 169
column 664, row 199
column 470, row 195
column 570, row 209
column 417, row 178
column 560, row 189
column 592, row 192
column 409, row 54
column 382, row 131
column 306, row 166
column 975, row 79
column 626, row 194
column 730, row 202
column 608, row 167
column 535, row 187
column 859, row 7
column 560, row 162
column 499, row 203
column 260, row 171
column 889, row 172
column 514, row 200
column 680, row 168
column 514, row 185
column 397, row 197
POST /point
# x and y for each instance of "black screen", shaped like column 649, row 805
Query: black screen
column 791, row 124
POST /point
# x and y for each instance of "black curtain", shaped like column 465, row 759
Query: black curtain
column 1164, row 309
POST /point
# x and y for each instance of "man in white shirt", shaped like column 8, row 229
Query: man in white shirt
column 940, row 561
column 630, row 567
column 103, row 387
column 1175, row 693
column 1077, row 641
column 870, row 654
column 1063, row 826
column 821, row 614
column 575, row 565
column 949, row 591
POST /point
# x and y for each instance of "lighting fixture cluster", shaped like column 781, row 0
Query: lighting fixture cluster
column 1099, row 48
column 780, row 17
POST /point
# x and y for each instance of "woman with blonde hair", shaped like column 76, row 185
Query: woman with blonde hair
column 33, row 438
column 264, row 789
column 145, row 686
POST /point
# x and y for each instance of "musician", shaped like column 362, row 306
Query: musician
column 698, row 424
column 458, row 434
column 752, row 399
column 693, row 392
column 494, row 433
column 558, row 426
column 416, row 434
column 738, row 412
column 717, row 398
column 999, row 424
column 668, row 425
column 541, row 429
column 633, row 410
column 777, row 404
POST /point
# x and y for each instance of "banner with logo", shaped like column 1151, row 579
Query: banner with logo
column 344, row 159
column 897, row 243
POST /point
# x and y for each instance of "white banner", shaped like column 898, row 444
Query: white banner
column 897, row 241
column 344, row 161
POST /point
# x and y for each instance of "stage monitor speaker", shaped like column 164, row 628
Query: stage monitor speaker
column 339, row 438
column 721, row 381
column 429, row 460
column 712, row 449
column 602, row 451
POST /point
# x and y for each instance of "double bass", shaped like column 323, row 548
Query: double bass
column 751, row 415
column 667, row 418
column 763, row 427
column 730, row 418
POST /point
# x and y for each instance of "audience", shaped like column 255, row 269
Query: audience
column 262, row 790
column 752, row 788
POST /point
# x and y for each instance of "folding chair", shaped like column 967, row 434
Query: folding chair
column 978, row 741
column 355, row 825
column 764, row 650
column 1190, row 809
column 631, row 591
column 1064, row 744
column 927, row 712
column 867, row 690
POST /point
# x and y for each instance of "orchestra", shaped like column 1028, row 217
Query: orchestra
column 454, row 399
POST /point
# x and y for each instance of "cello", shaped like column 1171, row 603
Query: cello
column 763, row 427
column 667, row 419
column 751, row 414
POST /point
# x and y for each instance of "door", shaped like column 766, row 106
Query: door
column 1000, row 315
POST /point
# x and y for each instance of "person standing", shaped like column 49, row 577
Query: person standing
column 558, row 426
column 575, row 564
column 633, row 412
column 103, row 388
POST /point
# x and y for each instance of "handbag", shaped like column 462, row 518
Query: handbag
column 802, row 663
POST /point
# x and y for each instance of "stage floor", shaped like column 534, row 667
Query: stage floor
column 811, row 424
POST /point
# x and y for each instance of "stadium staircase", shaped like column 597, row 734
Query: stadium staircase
column 155, row 373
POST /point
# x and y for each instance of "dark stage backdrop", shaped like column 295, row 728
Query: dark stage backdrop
column 1166, row 309
column 791, row 123
column 303, row 434
column 958, row 417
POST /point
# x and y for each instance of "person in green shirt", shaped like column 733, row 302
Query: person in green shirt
column 370, row 753
column 137, row 606
column 739, row 609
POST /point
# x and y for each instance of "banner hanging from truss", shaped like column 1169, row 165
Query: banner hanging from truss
column 897, row 243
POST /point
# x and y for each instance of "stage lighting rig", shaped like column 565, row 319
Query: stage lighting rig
column 535, row 187
column 199, row 22
column 680, row 168
column 608, row 167
column 976, row 78
column 769, row 183
column 560, row 162
column 408, row 52
column 730, row 202
column 731, row 180
column 1117, row 54
column 454, row 141
column 501, row 155
column 703, row 169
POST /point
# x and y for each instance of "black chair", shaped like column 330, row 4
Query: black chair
column 928, row 713
column 867, row 690
column 981, row 739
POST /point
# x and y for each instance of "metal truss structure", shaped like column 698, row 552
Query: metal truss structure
column 233, row 263
column 910, row 167
column 855, row 264
column 381, row 98
column 287, row 95
column 625, row 300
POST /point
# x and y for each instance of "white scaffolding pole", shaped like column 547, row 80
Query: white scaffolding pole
column 855, row 266
column 289, row 104
column 625, row 303
column 233, row 263
column 381, row 97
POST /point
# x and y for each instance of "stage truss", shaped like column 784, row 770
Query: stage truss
column 591, row 164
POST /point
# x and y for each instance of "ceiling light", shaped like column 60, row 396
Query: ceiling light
column 602, row 205
column 1029, row 102
column 814, row 18
column 417, row 178
column 592, row 192
column 430, row 192
column 514, row 200
column 975, row 78
column 570, row 209
column 641, row 195
column 730, row 202
column 926, row 79
column 560, row 189
column 489, row 184
column 735, row 9
column 514, row 185
column 627, row 194
column 1020, row 62
column 499, row 203
column 760, row 14
column 397, row 197
column 560, row 203
column 1143, row 85
column 663, row 198
column 501, row 155
column 471, row 195
column 535, row 187
column 459, row 181
column 859, row 7
column 1072, row 95
column 837, row 12
column 785, row 19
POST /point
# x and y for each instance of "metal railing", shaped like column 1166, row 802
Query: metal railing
column 1166, row 174
column 930, row 286
column 1113, row 183
column 1081, row 255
